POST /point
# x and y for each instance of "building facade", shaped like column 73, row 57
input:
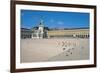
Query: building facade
column 75, row 33
column 41, row 32
column 26, row 33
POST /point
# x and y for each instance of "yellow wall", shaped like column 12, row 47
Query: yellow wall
column 68, row 32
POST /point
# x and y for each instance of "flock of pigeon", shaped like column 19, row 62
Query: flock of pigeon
column 68, row 46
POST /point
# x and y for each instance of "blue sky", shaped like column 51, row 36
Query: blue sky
column 51, row 19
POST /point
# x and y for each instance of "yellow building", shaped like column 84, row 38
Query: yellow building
column 78, row 32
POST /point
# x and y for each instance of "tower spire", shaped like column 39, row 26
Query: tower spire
column 41, row 22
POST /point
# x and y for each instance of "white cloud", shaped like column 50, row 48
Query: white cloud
column 51, row 20
column 60, row 23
